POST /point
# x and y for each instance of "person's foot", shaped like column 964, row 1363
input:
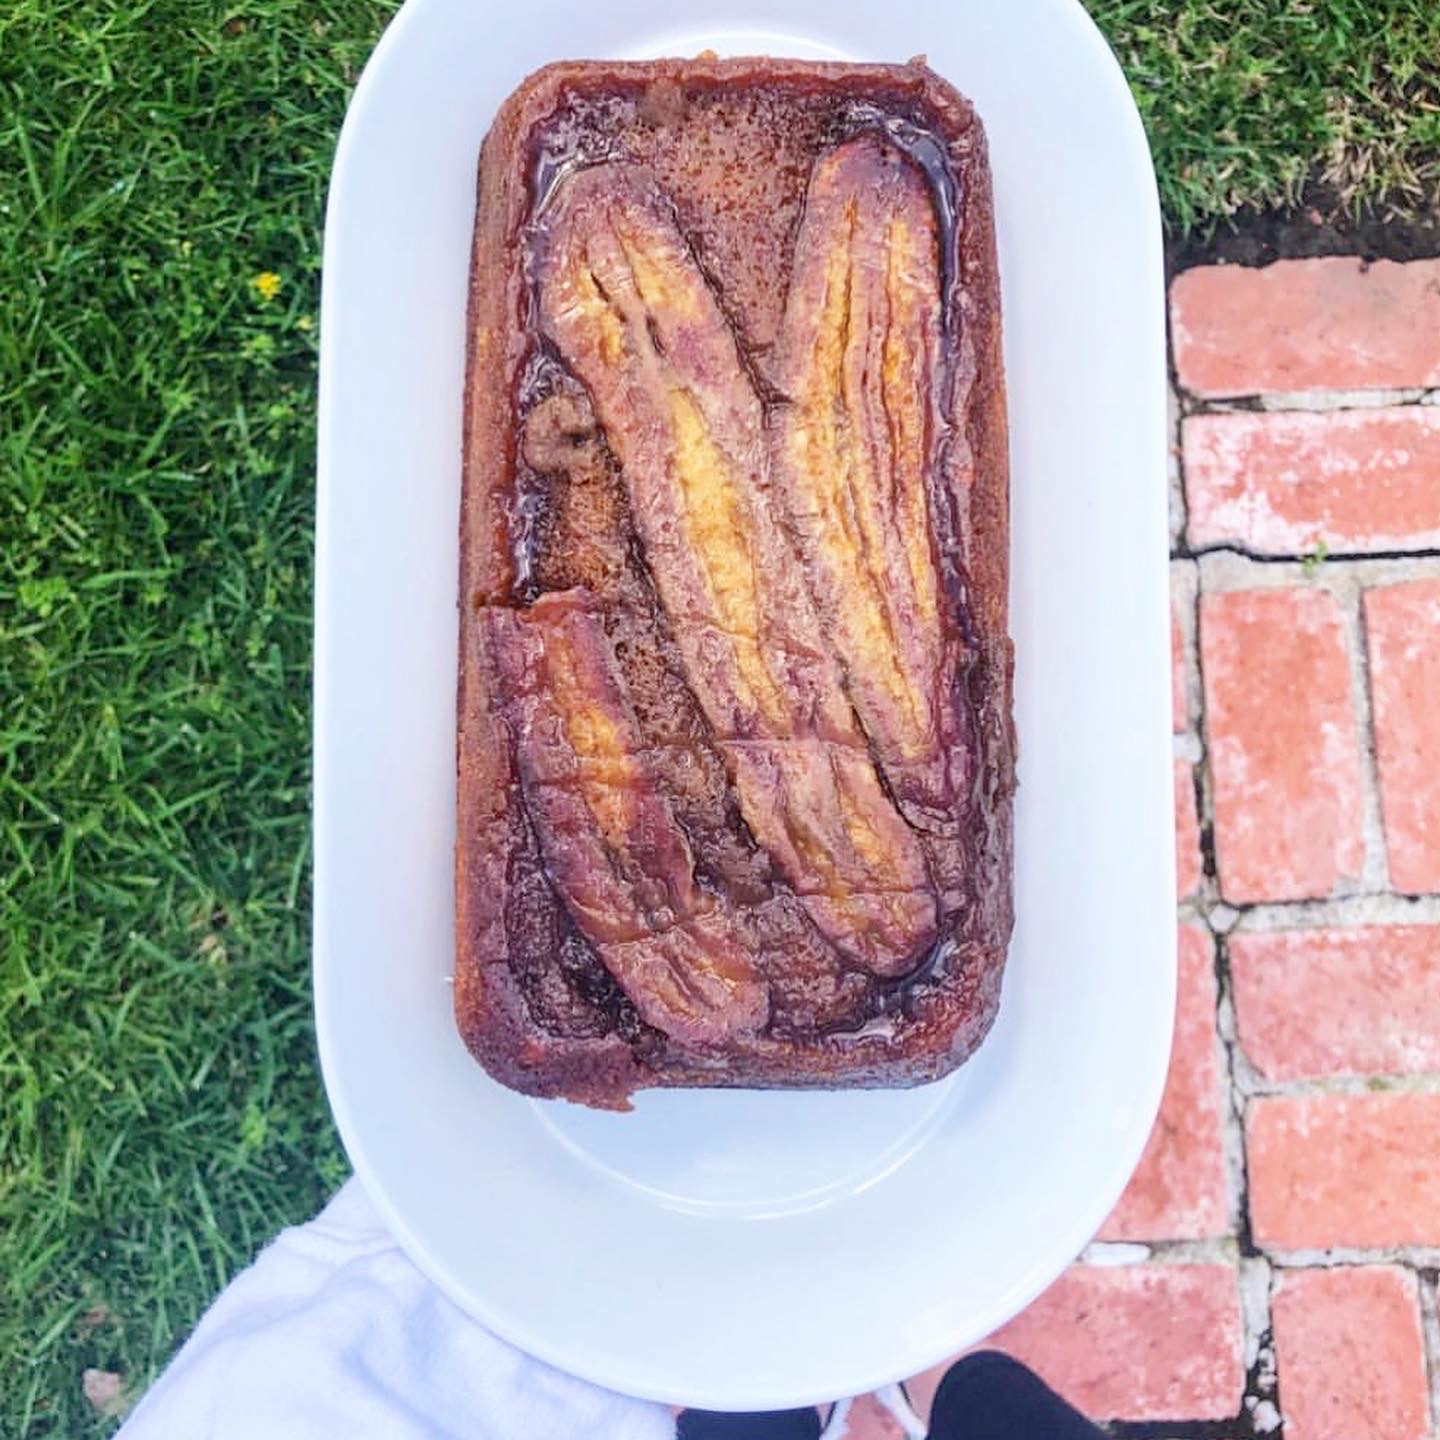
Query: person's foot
column 989, row 1396
column 752, row 1425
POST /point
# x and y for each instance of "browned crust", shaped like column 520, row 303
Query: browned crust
column 489, row 1008
column 492, row 835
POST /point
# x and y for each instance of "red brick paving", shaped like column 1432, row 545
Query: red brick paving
column 1284, row 745
column 1331, row 324
column 1351, row 1354
column 1402, row 629
column 1179, row 1191
column 1341, row 1165
column 1286, row 484
column 1352, row 1171
column 1315, row 1003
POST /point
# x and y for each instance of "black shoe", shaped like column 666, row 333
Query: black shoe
column 753, row 1425
column 989, row 1396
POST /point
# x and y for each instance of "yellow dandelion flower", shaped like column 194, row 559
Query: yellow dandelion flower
column 266, row 284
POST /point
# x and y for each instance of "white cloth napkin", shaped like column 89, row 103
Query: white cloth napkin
column 333, row 1332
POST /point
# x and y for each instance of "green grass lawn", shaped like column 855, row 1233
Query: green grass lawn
column 1245, row 99
column 162, row 170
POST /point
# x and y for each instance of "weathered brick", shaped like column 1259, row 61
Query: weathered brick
column 1179, row 707
column 1187, row 832
column 1311, row 1003
column 1286, row 484
column 1344, row 1170
column 1284, row 749
column 1178, row 1192
column 1350, row 1355
column 1133, row 1342
column 1327, row 324
column 1402, row 626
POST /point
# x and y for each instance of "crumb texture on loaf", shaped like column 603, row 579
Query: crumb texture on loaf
column 736, row 757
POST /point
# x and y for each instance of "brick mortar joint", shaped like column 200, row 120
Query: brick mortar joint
column 1376, row 872
column 1311, row 568
column 1425, row 1280
column 1184, row 599
column 1252, row 1085
column 1334, row 912
column 1234, row 1100
column 1195, row 739
column 1259, row 1398
column 1175, row 472
column 1189, row 746
column 1208, row 894
column 1259, row 1401
column 1308, row 402
column 1349, row 1257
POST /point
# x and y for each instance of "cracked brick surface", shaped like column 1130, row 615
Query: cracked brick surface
column 1402, row 631
column 1284, row 744
column 1344, row 1171
column 1330, row 324
column 1179, row 1190
column 1351, row 1354
column 1292, row 483
column 1362, row 1000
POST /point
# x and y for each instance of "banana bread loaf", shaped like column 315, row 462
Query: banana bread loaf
column 735, row 754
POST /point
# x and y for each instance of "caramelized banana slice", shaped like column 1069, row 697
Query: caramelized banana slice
column 815, row 807
column 858, row 358
column 625, row 303
column 610, row 842
column 632, row 315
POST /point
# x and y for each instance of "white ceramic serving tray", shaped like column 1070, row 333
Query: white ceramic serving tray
column 749, row 1250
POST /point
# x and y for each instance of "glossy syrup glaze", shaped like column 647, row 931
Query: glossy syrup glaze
column 737, row 658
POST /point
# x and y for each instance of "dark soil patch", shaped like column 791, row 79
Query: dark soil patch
column 1319, row 225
